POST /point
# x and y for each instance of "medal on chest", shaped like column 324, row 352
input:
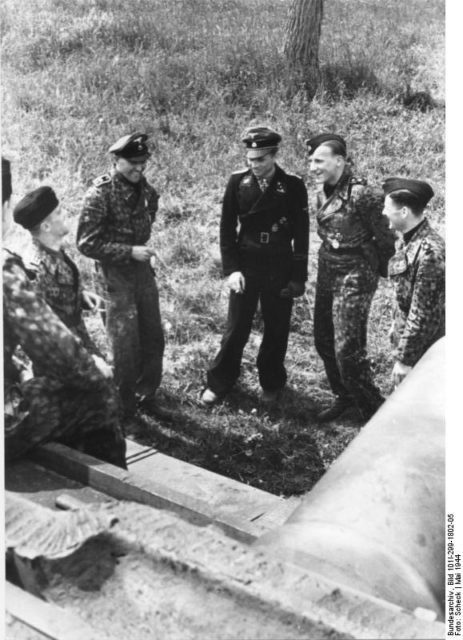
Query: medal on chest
column 398, row 264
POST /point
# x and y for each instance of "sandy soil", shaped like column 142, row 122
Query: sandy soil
column 159, row 595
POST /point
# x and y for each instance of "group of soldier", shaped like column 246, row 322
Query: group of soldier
column 60, row 386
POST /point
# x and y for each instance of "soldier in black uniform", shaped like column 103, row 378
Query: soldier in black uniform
column 264, row 236
column 70, row 398
column 417, row 271
column 114, row 228
column 356, row 246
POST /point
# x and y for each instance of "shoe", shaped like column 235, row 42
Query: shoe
column 269, row 397
column 341, row 404
column 208, row 398
column 151, row 406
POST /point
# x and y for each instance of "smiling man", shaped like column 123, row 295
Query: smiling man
column 356, row 245
column 417, row 271
column 57, row 277
column 264, row 238
column 114, row 228
column 68, row 396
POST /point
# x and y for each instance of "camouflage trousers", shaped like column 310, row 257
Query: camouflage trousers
column 43, row 410
column 135, row 330
column 345, row 289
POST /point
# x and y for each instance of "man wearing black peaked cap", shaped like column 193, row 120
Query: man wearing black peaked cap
column 417, row 271
column 356, row 246
column 264, row 244
column 114, row 228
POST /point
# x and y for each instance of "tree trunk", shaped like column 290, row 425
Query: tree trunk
column 301, row 46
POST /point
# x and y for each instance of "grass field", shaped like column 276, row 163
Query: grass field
column 194, row 74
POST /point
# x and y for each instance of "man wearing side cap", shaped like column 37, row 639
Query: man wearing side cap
column 265, row 261
column 356, row 245
column 114, row 228
column 57, row 277
column 69, row 398
column 417, row 271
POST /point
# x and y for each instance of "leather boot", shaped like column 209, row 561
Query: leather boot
column 341, row 404
column 151, row 406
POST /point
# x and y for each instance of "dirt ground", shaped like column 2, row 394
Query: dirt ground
column 122, row 588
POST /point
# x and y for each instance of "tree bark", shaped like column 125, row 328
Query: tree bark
column 302, row 45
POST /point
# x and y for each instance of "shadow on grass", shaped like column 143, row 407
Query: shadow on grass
column 271, row 448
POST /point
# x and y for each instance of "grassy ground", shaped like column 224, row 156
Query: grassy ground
column 76, row 76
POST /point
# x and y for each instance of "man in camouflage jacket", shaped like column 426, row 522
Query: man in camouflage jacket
column 264, row 237
column 114, row 227
column 356, row 245
column 417, row 271
column 57, row 277
column 70, row 399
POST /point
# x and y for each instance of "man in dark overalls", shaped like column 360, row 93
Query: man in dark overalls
column 264, row 236
column 356, row 245
column 417, row 271
column 114, row 228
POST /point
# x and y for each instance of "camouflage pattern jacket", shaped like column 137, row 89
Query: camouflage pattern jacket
column 272, row 223
column 57, row 280
column 351, row 218
column 116, row 215
column 417, row 272
column 52, row 348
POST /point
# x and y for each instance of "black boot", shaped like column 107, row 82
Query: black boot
column 341, row 404
column 151, row 405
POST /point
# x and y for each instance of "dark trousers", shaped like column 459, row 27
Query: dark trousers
column 276, row 314
column 135, row 329
column 345, row 289
column 43, row 410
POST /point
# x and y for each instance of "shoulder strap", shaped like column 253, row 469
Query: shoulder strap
column 101, row 180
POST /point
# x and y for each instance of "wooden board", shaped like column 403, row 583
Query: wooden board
column 165, row 482
column 127, row 485
column 47, row 619
column 223, row 495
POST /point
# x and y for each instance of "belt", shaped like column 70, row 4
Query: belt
column 264, row 237
column 354, row 251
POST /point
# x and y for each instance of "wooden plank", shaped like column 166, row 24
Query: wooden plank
column 43, row 485
column 126, row 485
column 279, row 514
column 224, row 496
column 48, row 619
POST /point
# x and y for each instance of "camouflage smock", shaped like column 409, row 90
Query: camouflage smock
column 57, row 280
column 73, row 403
column 116, row 215
column 417, row 272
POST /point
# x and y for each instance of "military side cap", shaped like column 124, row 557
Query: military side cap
column 316, row 141
column 6, row 180
column 35, row 207
column 131, row 146
column 421, row 190
column 261, row 138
